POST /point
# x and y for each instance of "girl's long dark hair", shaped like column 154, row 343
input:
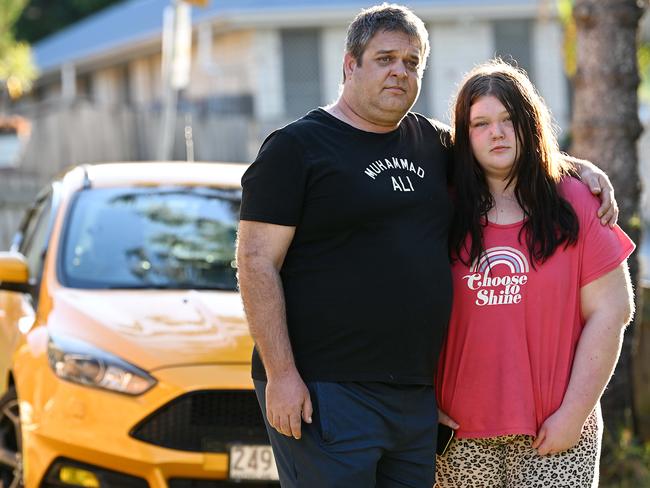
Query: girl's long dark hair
column 550, row 219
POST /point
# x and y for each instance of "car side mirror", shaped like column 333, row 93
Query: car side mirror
column 14, row 272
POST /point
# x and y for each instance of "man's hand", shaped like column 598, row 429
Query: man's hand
column 287, row 403
column 599, row 184
column 260, row 254
column 558, row 433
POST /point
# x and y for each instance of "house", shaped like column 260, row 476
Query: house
column 272, row 60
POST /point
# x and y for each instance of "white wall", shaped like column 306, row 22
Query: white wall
column 332, row 48
column 549, row 69
column 225, row 68
column 267, row 75
column 455, row 49
column 141, row 74
column 106, row 84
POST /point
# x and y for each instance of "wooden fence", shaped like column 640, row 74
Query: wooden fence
column 64, row 135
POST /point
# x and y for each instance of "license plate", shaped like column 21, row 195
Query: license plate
column 252, row 463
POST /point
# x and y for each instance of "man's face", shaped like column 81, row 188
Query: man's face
column 386, row 84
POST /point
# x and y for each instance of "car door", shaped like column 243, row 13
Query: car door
column 17, row 310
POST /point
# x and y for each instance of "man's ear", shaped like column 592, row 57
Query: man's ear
column 349, row 65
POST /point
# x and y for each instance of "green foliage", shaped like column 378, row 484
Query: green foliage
column 9, row 12
column 28, row 22
column 644, row 71
column 625, row 461
column 565, row 12
column 15, row 60
column 42, row 18
column 16, row 68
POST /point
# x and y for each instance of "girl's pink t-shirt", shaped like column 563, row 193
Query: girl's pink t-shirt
column 514, row 328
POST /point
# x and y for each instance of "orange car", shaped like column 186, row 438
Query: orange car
column 124, row 353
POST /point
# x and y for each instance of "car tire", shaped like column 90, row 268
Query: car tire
column 11, row 464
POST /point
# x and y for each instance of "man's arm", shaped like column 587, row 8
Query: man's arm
column 261, row 249
column 599, row 184
column 607, row 307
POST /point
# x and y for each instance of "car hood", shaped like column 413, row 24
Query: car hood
column 155, row 329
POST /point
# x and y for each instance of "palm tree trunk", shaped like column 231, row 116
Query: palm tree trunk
column 605, row 129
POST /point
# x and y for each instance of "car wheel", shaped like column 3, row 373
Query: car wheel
column 11, row 464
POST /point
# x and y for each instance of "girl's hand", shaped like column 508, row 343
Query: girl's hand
column 558, row 433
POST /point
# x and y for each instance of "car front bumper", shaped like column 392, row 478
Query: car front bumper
column 65, row 422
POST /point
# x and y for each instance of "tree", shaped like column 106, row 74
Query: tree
column 605, row 128
column 42, row 18
column 16, row 68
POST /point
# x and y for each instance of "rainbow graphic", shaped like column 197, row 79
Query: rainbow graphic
column 495, row 256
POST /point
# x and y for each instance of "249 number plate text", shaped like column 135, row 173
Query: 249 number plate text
column 252, row 463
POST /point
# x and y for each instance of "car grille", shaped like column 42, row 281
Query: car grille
column 107, row 478
column 205, row 421
column 191, row 483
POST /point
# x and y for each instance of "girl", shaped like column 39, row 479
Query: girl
column 541, row 298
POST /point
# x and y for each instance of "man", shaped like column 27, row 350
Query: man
column 344, row 270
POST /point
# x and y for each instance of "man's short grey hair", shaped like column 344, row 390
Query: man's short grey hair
column 385, row 18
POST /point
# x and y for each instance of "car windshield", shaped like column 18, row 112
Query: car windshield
column 151, row 237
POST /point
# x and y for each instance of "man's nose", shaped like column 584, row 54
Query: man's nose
column 400, row 69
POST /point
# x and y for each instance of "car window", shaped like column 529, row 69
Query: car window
column 151, row 238
column 35, row 234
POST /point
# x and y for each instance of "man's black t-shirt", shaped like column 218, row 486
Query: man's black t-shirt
column 366, row 278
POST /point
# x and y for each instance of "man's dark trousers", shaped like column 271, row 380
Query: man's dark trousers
column 362, row 435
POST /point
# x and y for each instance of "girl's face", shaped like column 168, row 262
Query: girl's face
column 492, row 136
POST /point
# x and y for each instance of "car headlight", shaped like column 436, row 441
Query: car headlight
column 77, row 361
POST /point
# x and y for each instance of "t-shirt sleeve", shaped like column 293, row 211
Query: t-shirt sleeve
column 604, row 248
column 274, row 185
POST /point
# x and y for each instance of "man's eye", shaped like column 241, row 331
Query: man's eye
column 412, row 65
column 385, row 59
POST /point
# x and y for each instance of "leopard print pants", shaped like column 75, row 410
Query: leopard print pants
column 510, row 462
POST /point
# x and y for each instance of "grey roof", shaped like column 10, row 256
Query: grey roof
column 134, row 21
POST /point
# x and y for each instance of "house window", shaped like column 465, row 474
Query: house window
column 301, row 70
column 512, row 41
